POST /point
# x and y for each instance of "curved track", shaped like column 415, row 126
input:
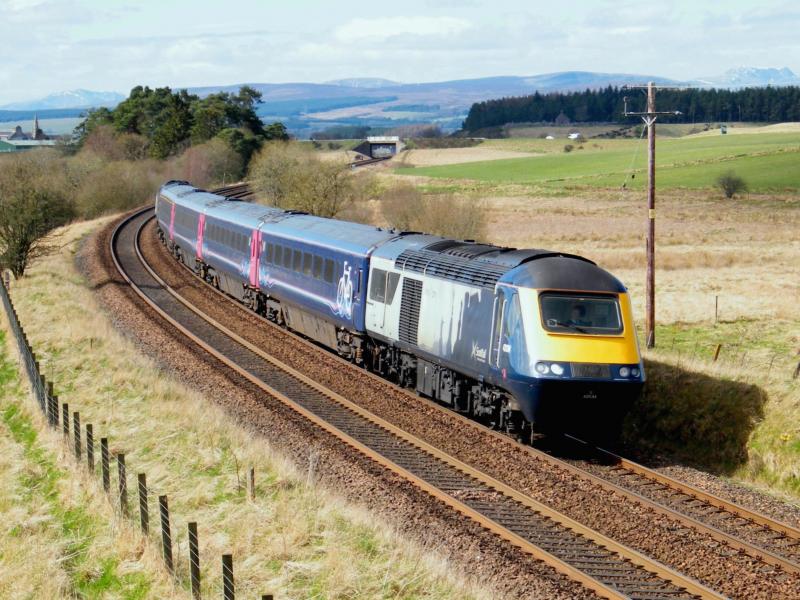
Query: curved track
column 599, row 563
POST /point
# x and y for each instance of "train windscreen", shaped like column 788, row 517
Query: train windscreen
column 582, row 314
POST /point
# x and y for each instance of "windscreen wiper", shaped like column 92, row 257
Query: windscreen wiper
column 571, row 326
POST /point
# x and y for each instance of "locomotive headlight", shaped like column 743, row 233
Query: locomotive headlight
column 542, row 368
column 624, row 371
column 635, row 372
column 557, row 369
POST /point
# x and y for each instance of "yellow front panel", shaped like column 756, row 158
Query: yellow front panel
column 570, row 347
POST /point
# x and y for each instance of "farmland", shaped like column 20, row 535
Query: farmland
column 768, row 162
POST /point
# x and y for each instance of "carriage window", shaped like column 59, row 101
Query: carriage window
column 306, row 263
column 298, row 261
column 270, row 251
column 317, row 267
column 377, row 287
column 278, row 258
column 328, row 270
column 287, row 257
column 391, row 286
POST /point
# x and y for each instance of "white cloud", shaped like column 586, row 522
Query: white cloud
column 376, row 30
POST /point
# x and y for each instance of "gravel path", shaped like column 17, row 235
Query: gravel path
column 716, row 565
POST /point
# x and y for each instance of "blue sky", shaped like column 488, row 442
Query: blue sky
column 55, row 45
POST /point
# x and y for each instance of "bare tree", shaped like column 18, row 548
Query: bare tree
column 31, row 207
column 292, row 178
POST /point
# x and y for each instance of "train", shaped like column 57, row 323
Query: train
column 526, row 341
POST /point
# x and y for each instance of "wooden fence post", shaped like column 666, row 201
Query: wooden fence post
column 166, row 537
column 228, row 590
column 90, row 447
column 716, row 352
column 194, row 560
column 65, row 419
column 144, row 509
column 252, row 482
column 104, row 464
column 76, row 430
column 123, row 484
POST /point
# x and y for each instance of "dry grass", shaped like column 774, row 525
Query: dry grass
column 295, row 539
column 452, row 156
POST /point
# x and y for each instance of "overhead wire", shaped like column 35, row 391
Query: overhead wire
column 630, row 174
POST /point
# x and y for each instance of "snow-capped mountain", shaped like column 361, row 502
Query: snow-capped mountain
column 753, row 77
column 70, row 99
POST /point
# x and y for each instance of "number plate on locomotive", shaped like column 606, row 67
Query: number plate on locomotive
column 589, row 370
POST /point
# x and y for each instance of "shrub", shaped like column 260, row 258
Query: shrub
column 117, row 186
column 33, row 202
column 568, row 148
column 109, row 145
column 731, row 184
column 406, row 208
column 289, row 177
column 209, row 163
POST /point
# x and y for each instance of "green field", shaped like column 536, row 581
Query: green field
column 769, row 162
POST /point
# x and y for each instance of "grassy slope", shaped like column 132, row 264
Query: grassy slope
column 295, row 539
column 767, row 161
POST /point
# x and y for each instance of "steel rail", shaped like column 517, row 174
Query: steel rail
column 759, row 552
column 703, row 496
column 592, row 582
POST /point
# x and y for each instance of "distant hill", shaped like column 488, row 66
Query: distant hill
column 364, row 82
column 70, row 99
column 383, row 103
column 7, row 116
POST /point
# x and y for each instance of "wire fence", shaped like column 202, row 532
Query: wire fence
column 80, row 439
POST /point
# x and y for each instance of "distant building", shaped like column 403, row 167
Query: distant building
column 13, row 141
column 562, row 119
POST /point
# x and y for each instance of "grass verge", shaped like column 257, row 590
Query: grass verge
column 60, row 538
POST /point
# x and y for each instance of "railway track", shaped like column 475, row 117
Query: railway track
column 768, row 539
column 236, row 191
column 600, row 564
column 758, row 535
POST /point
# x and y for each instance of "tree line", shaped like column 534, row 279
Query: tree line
column 170, row 121
column 767, row 104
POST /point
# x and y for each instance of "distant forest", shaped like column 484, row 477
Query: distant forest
column 767, row 104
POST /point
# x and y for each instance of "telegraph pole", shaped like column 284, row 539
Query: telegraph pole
column 649, row 118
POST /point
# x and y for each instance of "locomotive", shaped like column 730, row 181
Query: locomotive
column 523, row 340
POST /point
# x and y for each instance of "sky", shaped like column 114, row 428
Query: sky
column 49, row 46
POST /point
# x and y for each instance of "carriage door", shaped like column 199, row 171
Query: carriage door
column 376, row 298
column 255, row 246
column 499, row 343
